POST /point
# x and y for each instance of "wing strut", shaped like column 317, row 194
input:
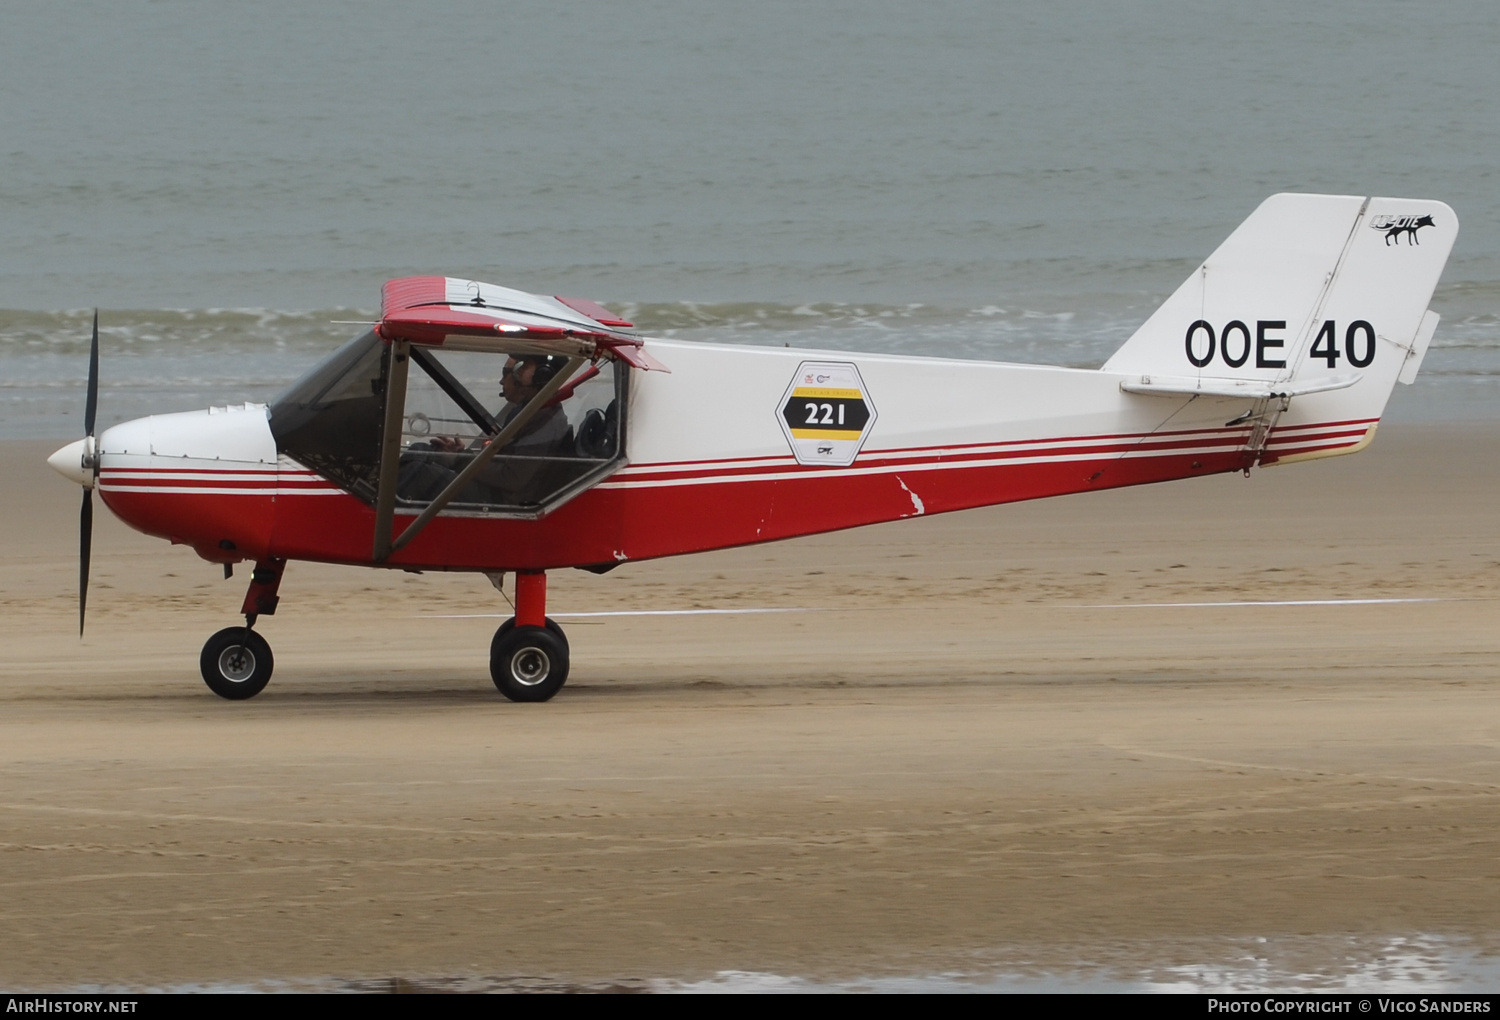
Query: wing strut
column 456, row 390
column 397, row 362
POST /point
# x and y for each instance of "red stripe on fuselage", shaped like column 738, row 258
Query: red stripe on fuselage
column 1106, row 444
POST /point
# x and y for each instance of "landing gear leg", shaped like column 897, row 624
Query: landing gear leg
column 261, row 598
column 236, row 662
column 529, row 655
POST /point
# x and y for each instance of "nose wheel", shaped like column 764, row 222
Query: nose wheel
column 236, row 663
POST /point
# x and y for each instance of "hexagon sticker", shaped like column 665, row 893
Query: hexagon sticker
column 826, row 413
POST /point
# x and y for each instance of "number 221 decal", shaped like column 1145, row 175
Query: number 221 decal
column 1234, row 344
column 826, row 413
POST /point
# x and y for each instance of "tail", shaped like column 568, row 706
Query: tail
column 1313, row 309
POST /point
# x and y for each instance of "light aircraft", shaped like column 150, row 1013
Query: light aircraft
column 602, row 446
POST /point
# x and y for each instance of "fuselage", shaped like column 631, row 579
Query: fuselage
column 711, row 460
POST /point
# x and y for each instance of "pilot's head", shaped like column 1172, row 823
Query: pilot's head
column 525, row 375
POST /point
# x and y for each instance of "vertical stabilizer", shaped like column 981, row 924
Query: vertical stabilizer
column 1319, row 297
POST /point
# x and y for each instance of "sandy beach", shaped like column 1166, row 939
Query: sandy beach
column 994, row 738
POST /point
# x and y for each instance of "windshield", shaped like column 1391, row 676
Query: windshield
column 329, row 420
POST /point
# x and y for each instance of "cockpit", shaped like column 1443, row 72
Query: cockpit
column 513, row 430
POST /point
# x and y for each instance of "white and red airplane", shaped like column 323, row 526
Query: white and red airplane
column 602, row 446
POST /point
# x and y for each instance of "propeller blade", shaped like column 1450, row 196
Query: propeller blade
column 92, row 403
column 85, row 544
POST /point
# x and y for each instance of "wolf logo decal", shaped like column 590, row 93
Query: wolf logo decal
column 1395, row 226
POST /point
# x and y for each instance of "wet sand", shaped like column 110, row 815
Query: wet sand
column 954, row 759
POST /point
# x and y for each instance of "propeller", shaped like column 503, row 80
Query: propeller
column 90, row 464
column 79, row 462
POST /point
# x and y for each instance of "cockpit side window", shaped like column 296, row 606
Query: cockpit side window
column 458, row 402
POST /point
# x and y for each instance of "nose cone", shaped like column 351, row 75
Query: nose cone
column 70, row 462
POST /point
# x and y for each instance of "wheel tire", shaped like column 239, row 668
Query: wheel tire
column 236, row 663
column 528, row 663
column 509, row 625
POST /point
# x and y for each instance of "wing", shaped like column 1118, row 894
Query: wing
column 438, row 311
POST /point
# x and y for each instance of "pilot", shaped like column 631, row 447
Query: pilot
column 508, row 478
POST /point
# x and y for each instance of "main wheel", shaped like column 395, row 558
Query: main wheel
column 236, row 663
column 528, row 663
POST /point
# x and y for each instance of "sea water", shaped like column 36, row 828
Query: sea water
column 1297, row 965
column 1005, row 181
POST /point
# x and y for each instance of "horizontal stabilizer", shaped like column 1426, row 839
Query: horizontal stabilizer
column 1206, row 386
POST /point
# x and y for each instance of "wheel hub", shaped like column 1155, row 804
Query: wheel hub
column 530, row 666
column 237, row 664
